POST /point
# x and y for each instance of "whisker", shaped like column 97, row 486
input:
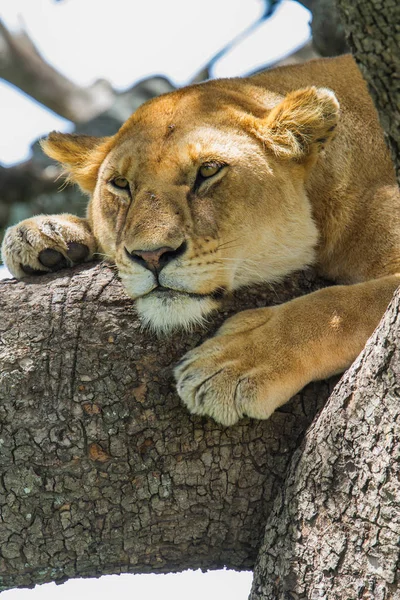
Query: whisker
column 231, row 247
column 63, row 185
column 228, row 242
column 241, row 260
column 245, row 269
column 106, row 257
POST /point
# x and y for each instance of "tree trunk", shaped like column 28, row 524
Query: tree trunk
column 102, row 469
column 334, row 530
column 373, row 33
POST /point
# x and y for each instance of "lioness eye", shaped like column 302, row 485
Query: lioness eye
column 208, row 170
column 121, row 183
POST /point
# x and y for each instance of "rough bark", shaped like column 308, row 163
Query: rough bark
column 373, row 33
column 22, row 65
column 102, row 469
column 335, row 527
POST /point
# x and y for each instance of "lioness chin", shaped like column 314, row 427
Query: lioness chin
column 228, row 183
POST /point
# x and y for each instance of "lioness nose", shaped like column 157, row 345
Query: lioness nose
column 155, row 260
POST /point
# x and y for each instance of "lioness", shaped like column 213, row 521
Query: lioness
column 228, row 183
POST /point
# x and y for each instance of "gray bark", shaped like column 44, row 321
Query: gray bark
column 373, row 33
column 102, row 469
column 335, row 527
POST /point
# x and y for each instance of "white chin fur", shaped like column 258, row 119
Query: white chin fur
column 166, row 314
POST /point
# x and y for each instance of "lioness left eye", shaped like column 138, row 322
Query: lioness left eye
column 120, row 182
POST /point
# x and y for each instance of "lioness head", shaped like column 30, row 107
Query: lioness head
column 202, row 191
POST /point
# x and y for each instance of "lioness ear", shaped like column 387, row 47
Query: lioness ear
column 80, row 155
column 301, row 125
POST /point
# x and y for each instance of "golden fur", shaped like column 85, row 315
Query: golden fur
column 300, row 175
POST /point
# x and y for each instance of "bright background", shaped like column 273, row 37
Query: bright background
column 193, row 585
column 124, row 41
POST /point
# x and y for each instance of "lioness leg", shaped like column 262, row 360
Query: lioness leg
column 260, row 358
column 47, row 243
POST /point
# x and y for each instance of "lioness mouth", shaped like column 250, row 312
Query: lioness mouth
column 171, row 293
column 165, row 309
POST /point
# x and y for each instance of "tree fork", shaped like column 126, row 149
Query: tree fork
column 102, row 469
column 335, row 527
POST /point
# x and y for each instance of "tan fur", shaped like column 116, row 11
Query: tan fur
column 305, row 178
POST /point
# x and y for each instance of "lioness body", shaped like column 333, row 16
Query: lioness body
column 233, row 182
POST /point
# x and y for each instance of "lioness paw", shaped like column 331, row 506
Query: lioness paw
column 46, row 244
column 208, row 387
column 238, row 374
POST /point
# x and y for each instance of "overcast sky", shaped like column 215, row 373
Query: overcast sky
column 175, row 38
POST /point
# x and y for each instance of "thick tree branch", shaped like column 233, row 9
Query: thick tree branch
column 22, row 65
column 102, row 469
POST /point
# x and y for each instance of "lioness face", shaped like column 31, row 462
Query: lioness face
column 192, row 202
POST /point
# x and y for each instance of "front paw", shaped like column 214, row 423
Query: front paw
column 232, row 375
column 46, row 244
column 209, row 384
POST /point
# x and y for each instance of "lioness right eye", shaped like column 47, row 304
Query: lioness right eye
column 120, row 183
column 209, row 170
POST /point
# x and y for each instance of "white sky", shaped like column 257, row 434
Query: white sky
column 124, row 41
column 214, row 585
column 86, row 41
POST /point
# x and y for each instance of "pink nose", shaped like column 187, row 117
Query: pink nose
column 155, row 260
column 152, row 257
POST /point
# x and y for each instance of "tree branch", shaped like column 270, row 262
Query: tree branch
column 326, row 28
column 102, row 468
column 25, row 181
column 22, row 65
